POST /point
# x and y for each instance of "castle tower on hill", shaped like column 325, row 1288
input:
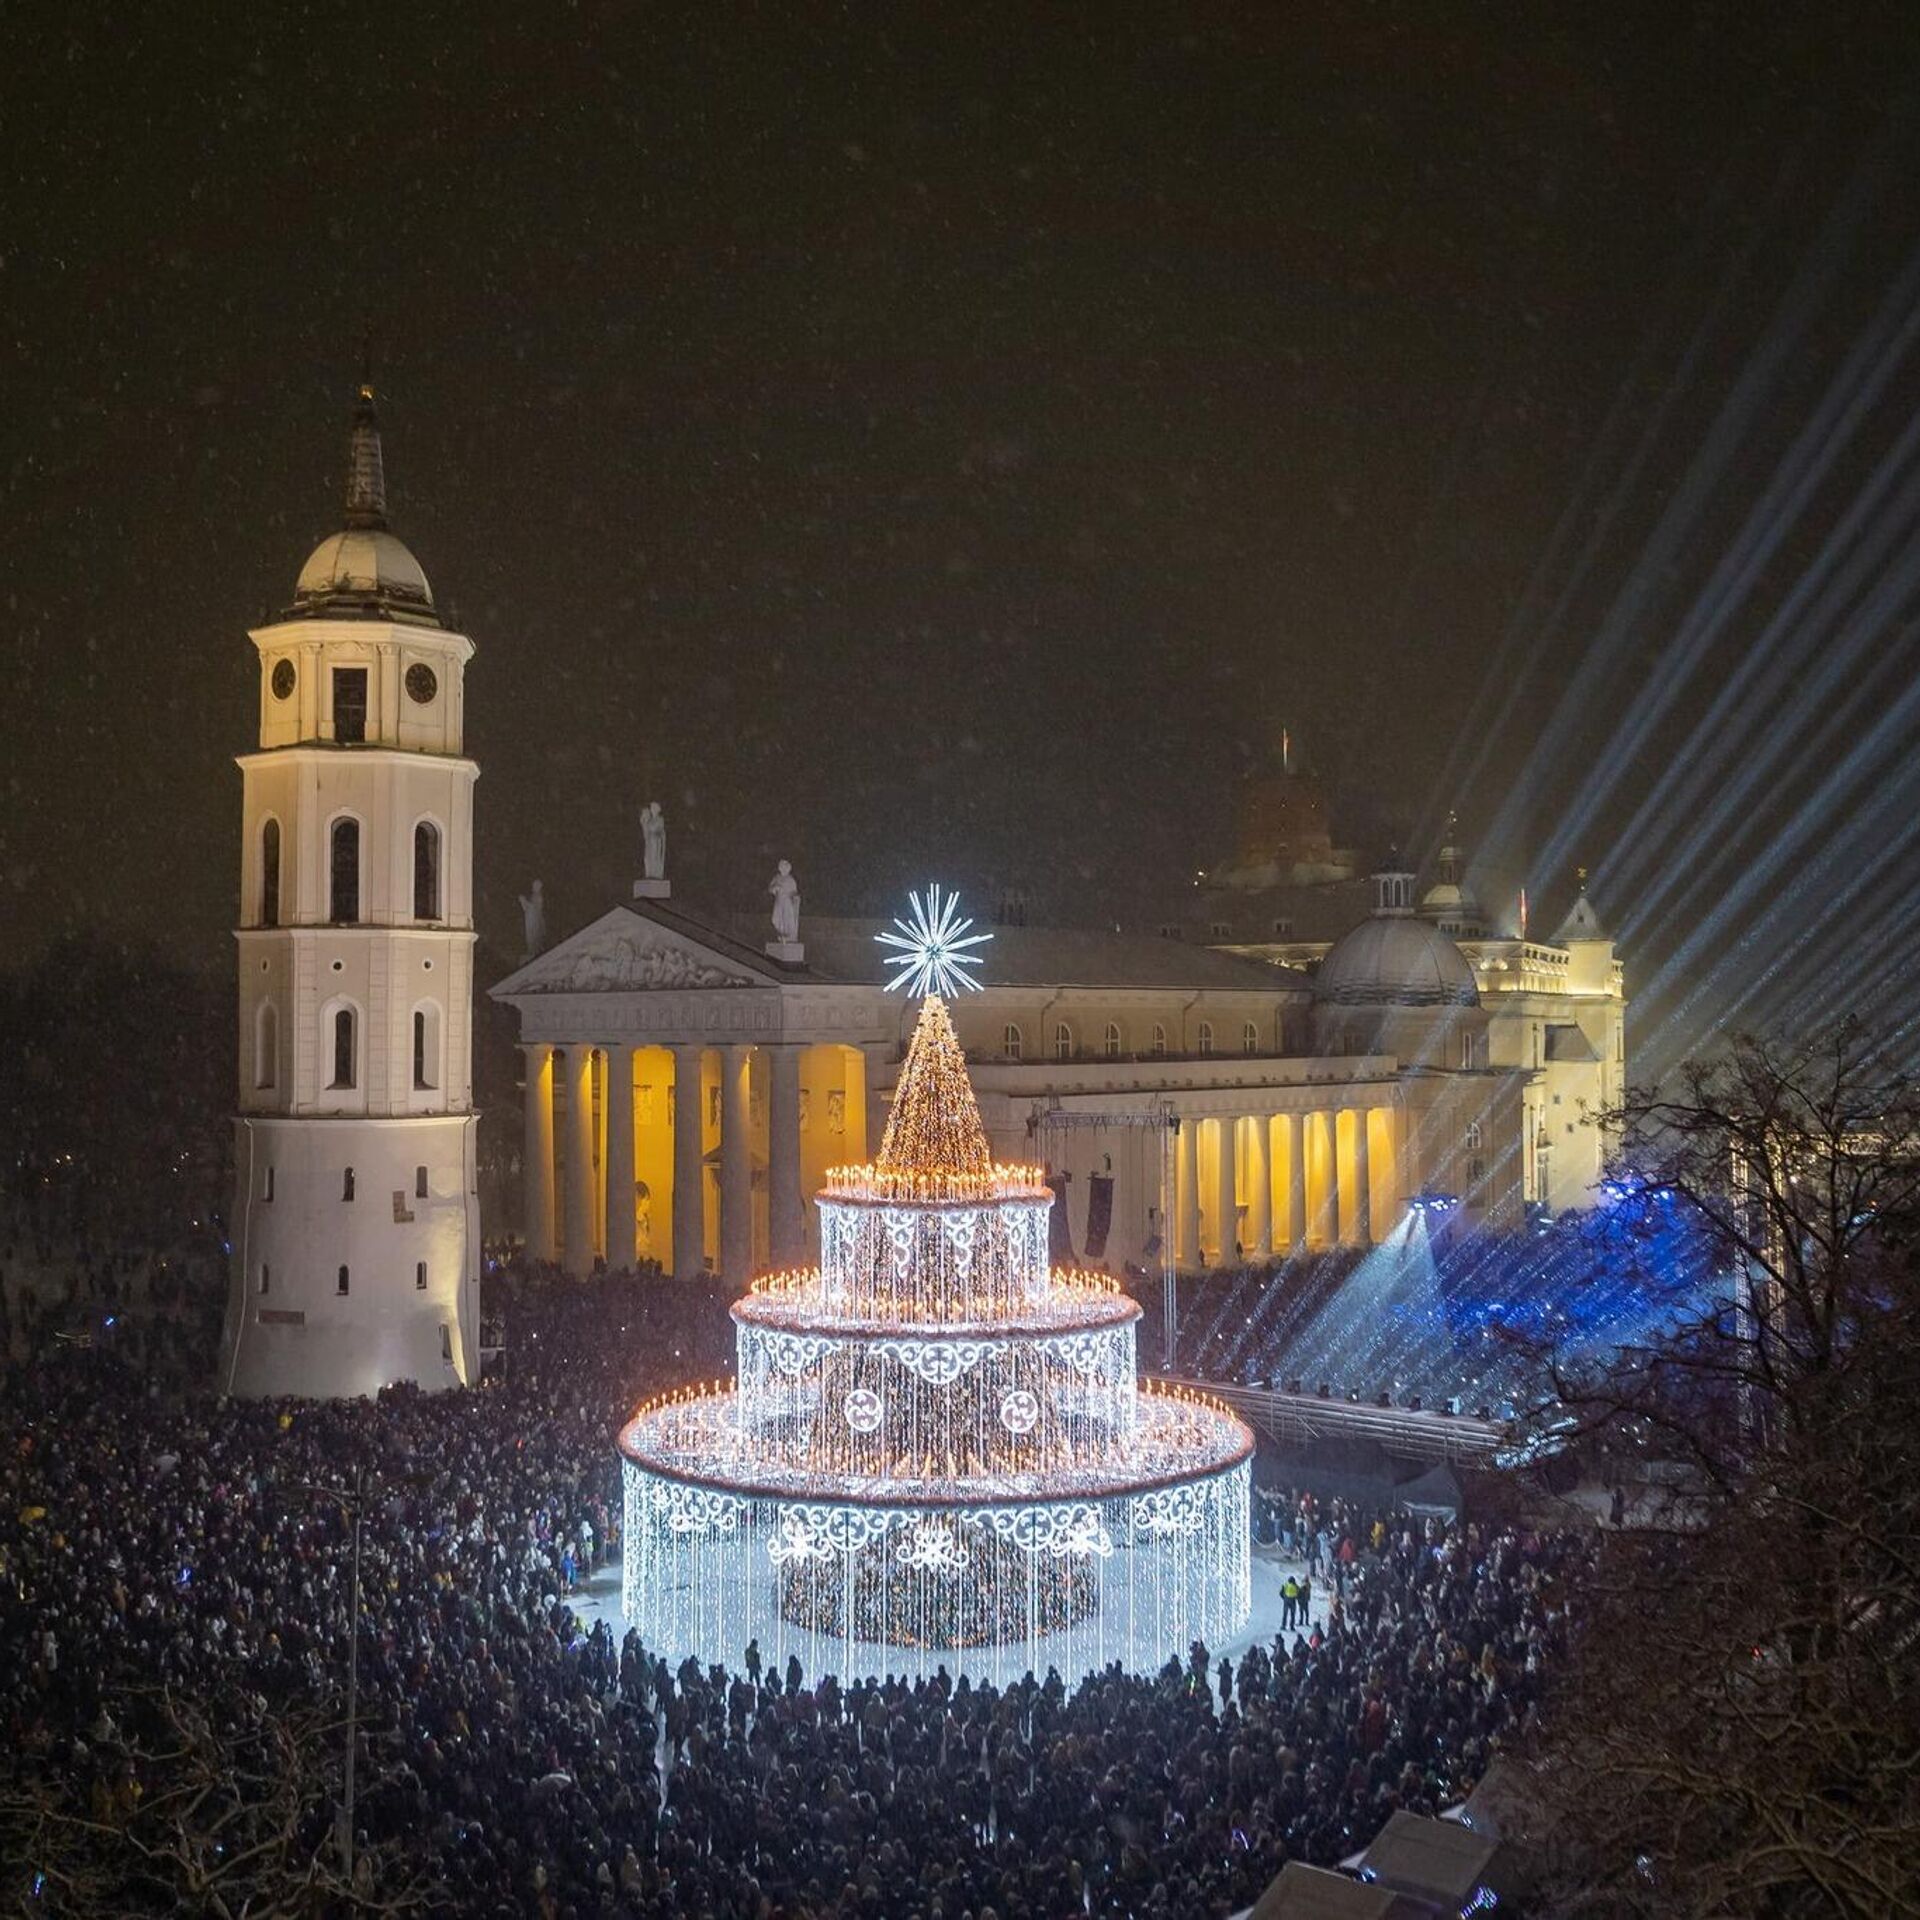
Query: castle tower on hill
column 356, row 1238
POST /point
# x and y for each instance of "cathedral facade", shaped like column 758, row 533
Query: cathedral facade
column 687, row 1086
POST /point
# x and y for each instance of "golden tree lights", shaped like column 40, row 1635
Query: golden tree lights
column 936, row 1445
column 934, row 1134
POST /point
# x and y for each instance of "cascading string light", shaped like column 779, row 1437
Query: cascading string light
column 938, row 1445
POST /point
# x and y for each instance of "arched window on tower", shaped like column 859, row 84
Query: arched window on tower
column 1111, row 1043
column 426, row 871
column 1063, row 1042
column 1010, row 1041
column 266, row 1045
column 270, row 874
column 345, row 1058
column 343, row 873
column 1249, row 1038
column 1159, row 1047
column 1206, row 1036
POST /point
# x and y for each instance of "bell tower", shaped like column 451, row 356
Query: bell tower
column 356, row 1239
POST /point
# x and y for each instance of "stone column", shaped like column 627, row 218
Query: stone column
column 1329, row 1123
column 536, row 1151
column 1362, row 1182
column 1226, row 1195
column 786, row 1215
column 1259, row 1187
column 1186, row 1246
column 383, row 716
column 689, row 1198
column 581, row 1194
column 619, row 1237
column 1296, row 1126
column 736, row 1164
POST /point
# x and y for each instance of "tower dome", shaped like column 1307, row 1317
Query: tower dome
column 1393, row 958
column 1447, row 902
column 364, row 569
column 357, row 567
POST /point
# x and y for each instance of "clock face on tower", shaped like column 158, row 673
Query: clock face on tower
column 422, row 683
column 283, row 679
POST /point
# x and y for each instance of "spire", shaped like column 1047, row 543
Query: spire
column 366, row 472
column 934, row 1128
column 1453, row 861
column 1582, row 922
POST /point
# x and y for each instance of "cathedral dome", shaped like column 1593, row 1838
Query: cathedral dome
column 360, row 565
column 1393, row 959
column 1395, row 963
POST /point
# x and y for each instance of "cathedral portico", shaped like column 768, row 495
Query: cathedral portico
column 692, row 1155
column 728, row 1085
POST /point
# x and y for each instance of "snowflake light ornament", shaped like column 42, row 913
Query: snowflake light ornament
column 932, row 945
column 933, row 1548
column 1019, row 1411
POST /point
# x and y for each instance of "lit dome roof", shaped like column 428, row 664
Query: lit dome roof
column 1394, row 960
column 360, row 565
column 364, row 570
column 1443, row 897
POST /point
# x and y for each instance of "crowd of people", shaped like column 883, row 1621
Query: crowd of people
column 165, row 1544
column 160, row 1307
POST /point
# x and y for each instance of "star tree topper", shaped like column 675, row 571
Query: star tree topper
column 932, row 945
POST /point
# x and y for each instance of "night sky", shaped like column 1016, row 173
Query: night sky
column 949, row 441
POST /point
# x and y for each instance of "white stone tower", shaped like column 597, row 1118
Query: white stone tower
column 356, row 1240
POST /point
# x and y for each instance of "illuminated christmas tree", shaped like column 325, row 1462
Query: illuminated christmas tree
column 934, row 1130
column 936, row 1443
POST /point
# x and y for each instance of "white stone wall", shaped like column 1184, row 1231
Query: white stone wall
column 301, row 1334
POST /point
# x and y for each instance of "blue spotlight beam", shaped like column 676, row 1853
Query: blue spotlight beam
column 1845, row 406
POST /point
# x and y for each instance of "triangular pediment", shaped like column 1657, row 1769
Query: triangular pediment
column 624, row 952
